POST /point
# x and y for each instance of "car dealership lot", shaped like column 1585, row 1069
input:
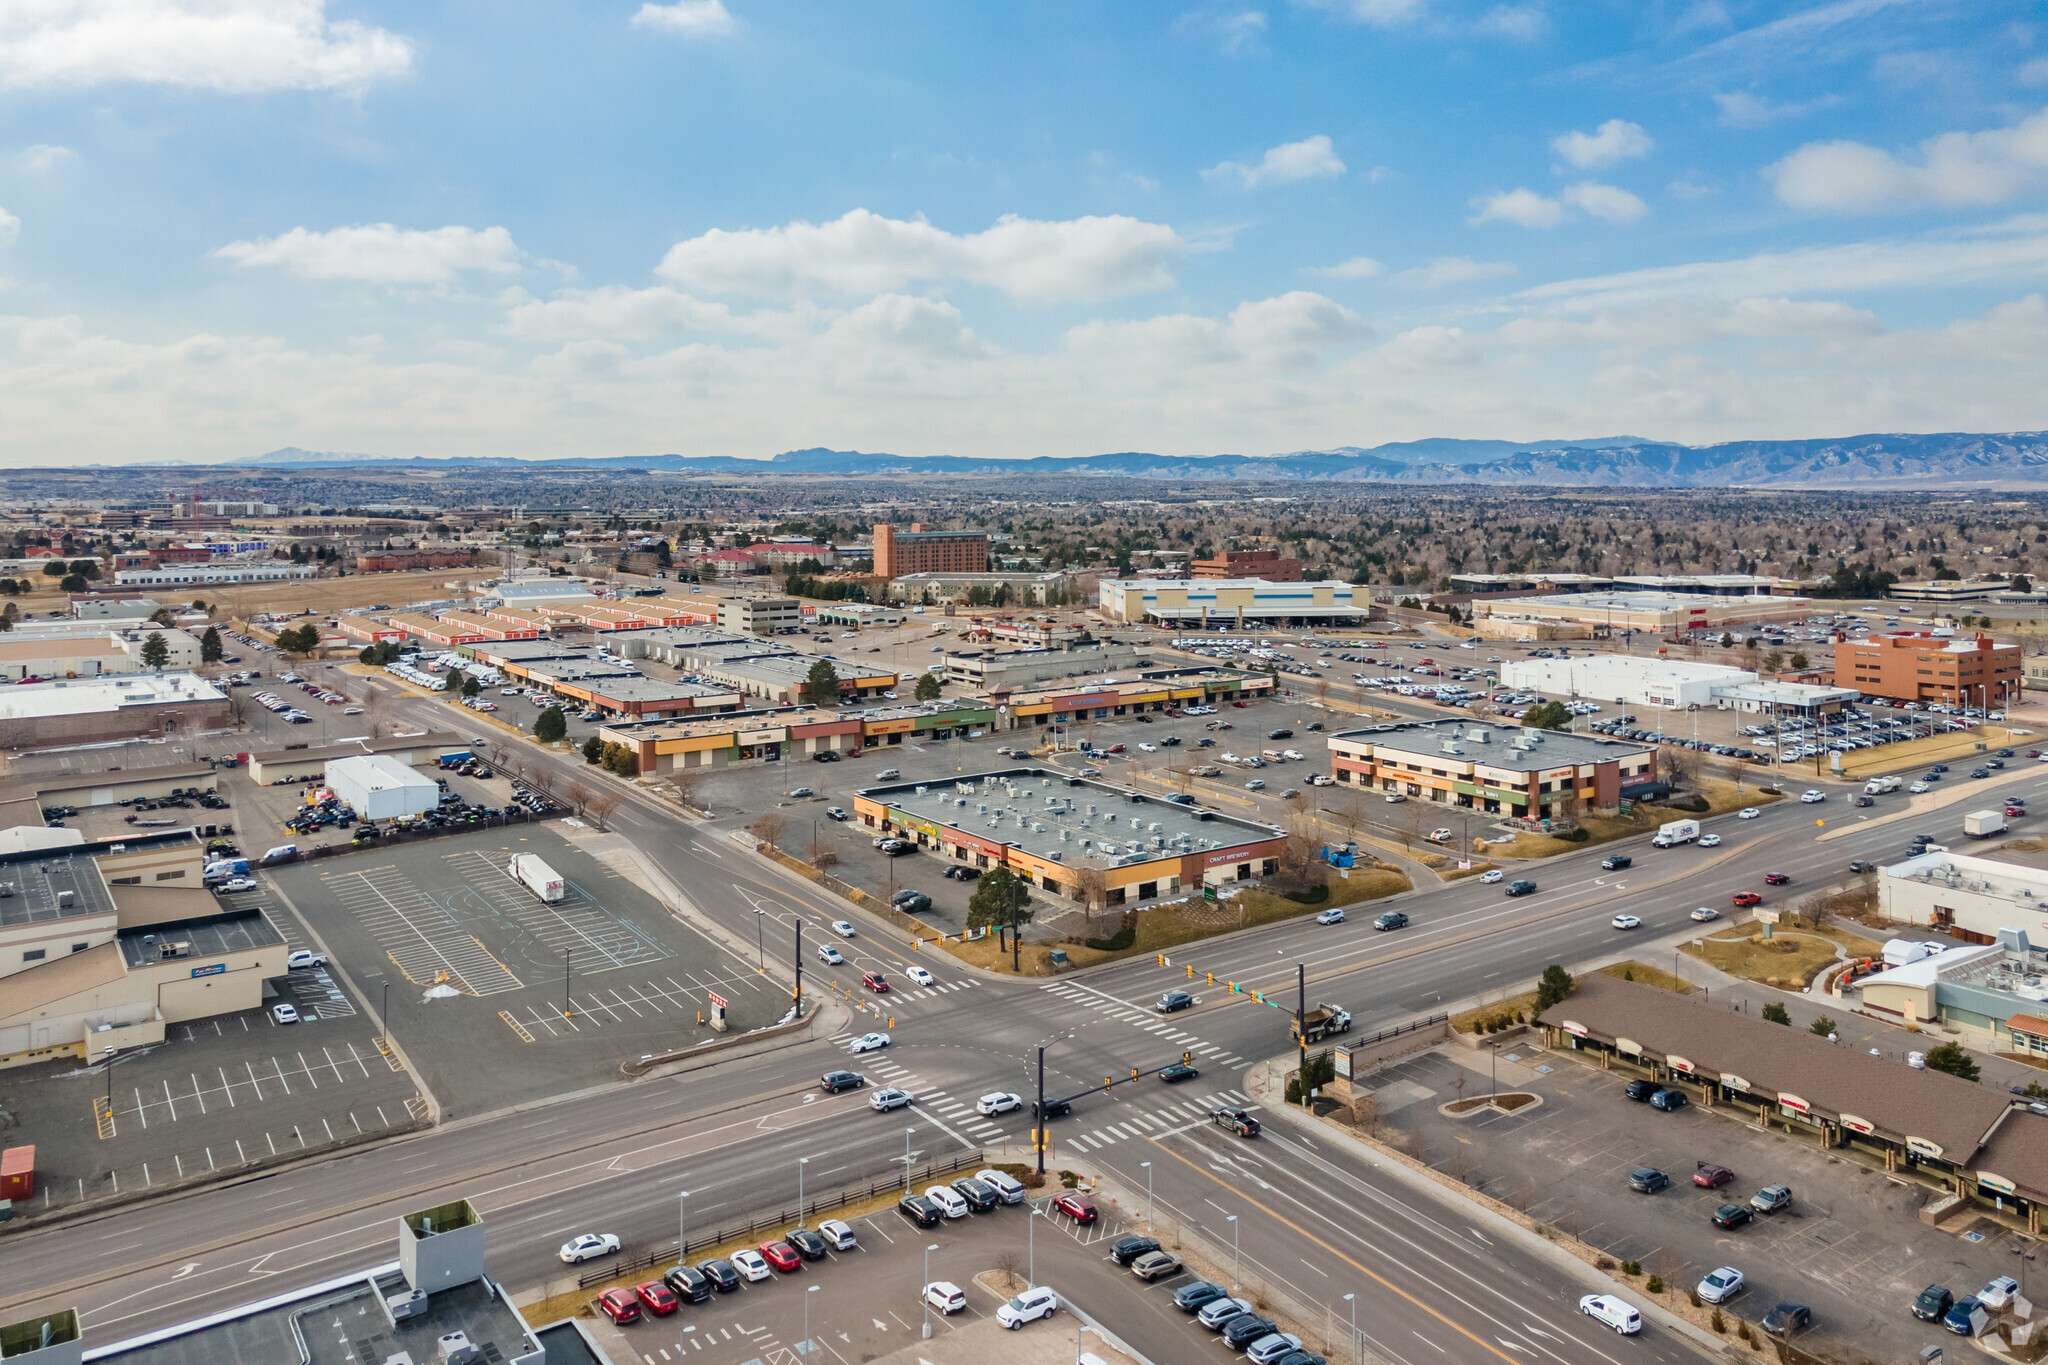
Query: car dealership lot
column 1850, row 1246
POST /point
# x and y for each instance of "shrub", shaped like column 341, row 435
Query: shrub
column 1116, row 942
column 1719, row 1324
column 1293, row 1090
column 1603, row 1263
column 1576, row 836
column 1654, row 1285
column 1631, row 1267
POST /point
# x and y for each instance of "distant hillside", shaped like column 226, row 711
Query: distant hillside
column 2011, row 460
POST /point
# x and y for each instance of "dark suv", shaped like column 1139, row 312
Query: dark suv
column 1124, row 1250
column 1174, row 1000
column 832, row 1082
column 690, row 1284
column 919, row 1210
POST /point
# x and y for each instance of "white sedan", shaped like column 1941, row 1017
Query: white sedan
column 919, row 975
column 1710, row 841
column 998, row 1102
column 1722, row 1285
column 1705, row 913
column 1748, row 813
column 842, row 928
column 869, row 1042
column 284, row 1012
column 588, row 1245
column 1491, row 877
column 1148, row 748
column 1627, row 922
column 1812, row 796
column 1919, row 788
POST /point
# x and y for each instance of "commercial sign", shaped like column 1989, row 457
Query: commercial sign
column 215, row 969
column 758, row 736
column 1679, row 1064
column 1578, row 1030
column 1997, row 1184
column 716, row 999
column 1856, row 1125
column 1793, row 1103
column 1922, row 1147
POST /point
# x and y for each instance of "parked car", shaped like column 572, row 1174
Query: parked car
column 1124, row 1250
column 1933, row 1303
column 1648, row 1180
column 657, row 1298
column 1076, row 1206
column 720, row 1272
column 1668, row 1100
column 1153, row 1264
column 619, row 1304
column 919, row 1210
column 1788, row 1318
column 1193, row 1298
column 687, row 1282
column 1244, row 1329
column 945, row 1296
column 1732, row 1216
column 1219, row 1311
column 1721, row 1285
column 1708, row 1176
column 1772, row 1199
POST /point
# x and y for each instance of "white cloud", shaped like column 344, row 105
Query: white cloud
column 1524, row 206
column 688, row 19
column 865, row 253
column 1705, row 14
column 1284, row 333
column 1615, row 140
column 1383, row 13
column 1451, row 270
column 903, row 325
column 43, row 157
column 1605, row 202
column 1953, row 170
column 2015, row 251
column 237, row 46
column 1292, row 329
column 2033, row 73
column 1747, row 109
column 10, row 228
column 1309, row 159
column 636, row 315
column 1519, row 23
column 1357, row 268
column 379, row 253
column 1236, row 31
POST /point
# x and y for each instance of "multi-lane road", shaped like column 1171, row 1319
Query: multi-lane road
column 1429, row 1285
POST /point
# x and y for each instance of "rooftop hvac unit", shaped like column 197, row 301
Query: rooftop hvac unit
column 1066, row 835
column 1056, row 856
column 1154, row 826
column 959, row 800
column 981, row 808
column 1091, row 808
column 457, row 1349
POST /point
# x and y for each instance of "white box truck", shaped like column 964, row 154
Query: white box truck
column 1982, row 824
column 536, row 876
column 1677, row 832
column 1878, row 786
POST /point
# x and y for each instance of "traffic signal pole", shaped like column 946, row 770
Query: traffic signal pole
column 799, row 995
column 1042, row 1129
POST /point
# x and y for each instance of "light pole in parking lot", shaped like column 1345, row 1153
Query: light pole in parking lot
column 1031, row 1244
column 1148, row 1194
column 567, row 1012
column 1233, row 1253
column 801, row 1162
column 1352, row 1299
column 760, row 945
column 805, row 1346
column 925, row 1291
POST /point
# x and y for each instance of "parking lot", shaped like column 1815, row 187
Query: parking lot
column 1851, row 1246
column 501, row 997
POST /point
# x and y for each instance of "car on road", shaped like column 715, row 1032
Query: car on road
column 1334, row 915
column 1610, row 1311
column 1440, row 834
column 1776, row 879
column 832, row 1082
column 1709, row 1176
column 1710, row 841
column 1614, row 862
column 1862, row 800
column 619, row 1304
column 829, row 955
column 1732, row 1216
column 1154, row 1264
column 842, row 928
column 304, row 958
column 1391, row 920
column 919, row 1210
column 1219, row 1311
column 1173, row 1000
column 1933, row 1303
column 919, row 975
column 657, row 1298
column 720, row 1272
column 1648, row 1180
column 1772, row 1199
column 1091, row 772
column 284, row 1012
column 1748, row 813
column 590, row 1244
column 869, row 1042
column 997, row 1102
column 1177, row 1072
column 1627, row 922
column 1745, row 900
column 1193, row 1298
column 1028, row 1306
column 1859, row 865
column 1257, row 784
column 1919, row 788
column 1521, row 888
column 886, row 1100
column 1706, row 913
column 875, row 982
column 1721, row 1285
column 1788, row 1318
column 1236, row 1121
column 1076, row 1206
column 1812, row 796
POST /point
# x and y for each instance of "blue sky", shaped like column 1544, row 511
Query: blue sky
column 715, row 227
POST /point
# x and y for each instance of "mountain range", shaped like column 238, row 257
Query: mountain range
column 1942, row 460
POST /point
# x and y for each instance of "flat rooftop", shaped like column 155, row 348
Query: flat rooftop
column 1426, row 739
column 1632, row 601
column 336, row 1324
column 41, row 876
column 636, row 688
column 1073, row 820
column 84, row 696
column 390, row 744
column 732, row 722
column 209, row 937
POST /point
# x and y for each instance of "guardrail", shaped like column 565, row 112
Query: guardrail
column 1398, row 1030
column 668, row 1253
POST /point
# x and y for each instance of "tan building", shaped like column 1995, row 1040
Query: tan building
column 1919, row 667
column 924, row 550
column 1525, row 774
column 1655, row 612
column 1266, row 564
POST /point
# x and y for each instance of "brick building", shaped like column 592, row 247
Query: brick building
column 1916, row 666
column 404, row 561
column 923, row 550
column 1266, row 564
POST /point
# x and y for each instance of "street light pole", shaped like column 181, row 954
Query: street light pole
column 760, row 944
column 1352, row 1299
column 805, row 1348
column 925, row 1293
column 801, row 1162
column 567, row 1011
column 906, row 1158
column 1148, row 1195
column 1233, row 1253
column 1040, row 1114
column 682, row 1225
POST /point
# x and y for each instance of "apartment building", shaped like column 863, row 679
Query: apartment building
column 1917, row 666
column 924, row 550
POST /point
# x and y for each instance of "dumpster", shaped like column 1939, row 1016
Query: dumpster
column 17, row 1173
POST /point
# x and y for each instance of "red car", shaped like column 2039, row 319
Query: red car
column 875, row 982
column 1240, row 705
column 1776, row 879
column 657, row 1298
column 1745, row 899
column 782, row 1256
column 1114, row 749
column 1078, row 1207
column 620, row 1305
column 1711, row 1177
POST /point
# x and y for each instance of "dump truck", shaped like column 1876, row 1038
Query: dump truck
column 536, row 876
column 1321, row 1021
column 1677, row 832
column 1982, row 824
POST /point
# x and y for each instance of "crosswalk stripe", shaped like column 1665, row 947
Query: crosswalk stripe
column 1128, row 1131
column 1104, row 1138
column 1210, row 1051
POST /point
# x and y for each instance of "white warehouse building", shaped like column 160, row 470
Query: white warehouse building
column 380, row 787
column 1624, row 680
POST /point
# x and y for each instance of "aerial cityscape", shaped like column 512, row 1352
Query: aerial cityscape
column 675, row 675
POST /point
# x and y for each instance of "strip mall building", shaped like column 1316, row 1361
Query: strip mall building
column 1502, row 771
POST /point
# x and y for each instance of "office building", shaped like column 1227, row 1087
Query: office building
column 1266, row 564
column 101, row 710
column 1947, row 590
column 760, row 615
column 1524, row 774
column 1915, row 666
column 924, row 550
column 1205, row 603
column 1657, row 612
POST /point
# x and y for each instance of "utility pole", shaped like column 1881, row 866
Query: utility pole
column 1016, row 923
column 798, row 997
column 1041, row 1108
column 1301, row 1027
column 567, row 953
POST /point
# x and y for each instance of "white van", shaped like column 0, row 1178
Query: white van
column 1006, row 1186
column 945, row 1296
column 947, row 1199
column 1612, row 1312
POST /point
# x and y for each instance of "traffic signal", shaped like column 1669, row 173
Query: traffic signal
column 1191, row 972
column 1187, row 1056
column 1161, row 957
column 1211, row 977
column 1107, row 1082
column 1134, row 1073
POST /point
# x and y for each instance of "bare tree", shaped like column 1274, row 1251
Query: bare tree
column 545, row 777
column 769, row 829
column 688, row 784
column 1010, row 1263
column 600, row 806
column 577, row 795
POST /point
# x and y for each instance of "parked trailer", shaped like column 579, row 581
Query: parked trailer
column 536, row 876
